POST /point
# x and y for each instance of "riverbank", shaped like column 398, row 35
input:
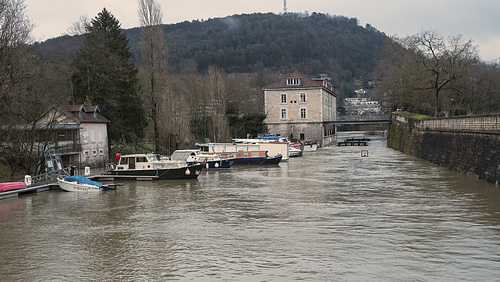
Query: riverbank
column 469, row 145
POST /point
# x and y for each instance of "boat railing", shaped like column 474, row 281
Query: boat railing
column 110, row 166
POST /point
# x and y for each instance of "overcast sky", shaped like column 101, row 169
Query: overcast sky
column 477, row 20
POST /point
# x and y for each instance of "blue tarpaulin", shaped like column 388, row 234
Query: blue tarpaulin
column 271, row 137
column 82, row 179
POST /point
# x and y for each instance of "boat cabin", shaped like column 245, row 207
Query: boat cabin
column 186, row 155
column 146, row 161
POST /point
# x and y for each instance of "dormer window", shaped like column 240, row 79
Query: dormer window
column 96, row 111
column 293, row 81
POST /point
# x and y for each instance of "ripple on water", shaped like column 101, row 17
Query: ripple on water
column 327, row 216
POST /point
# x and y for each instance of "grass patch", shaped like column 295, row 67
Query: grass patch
column 5, row 174
column 410, row 115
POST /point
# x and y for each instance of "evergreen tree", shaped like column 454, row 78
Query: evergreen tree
column 104, row 75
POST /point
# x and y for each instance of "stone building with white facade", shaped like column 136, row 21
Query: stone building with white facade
column 300, row 107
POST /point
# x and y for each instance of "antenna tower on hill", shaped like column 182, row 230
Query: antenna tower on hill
column 284, row 6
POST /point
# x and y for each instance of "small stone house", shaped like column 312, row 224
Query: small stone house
column 80, row 134
column 300, row 107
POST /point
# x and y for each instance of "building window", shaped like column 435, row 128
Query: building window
column 283, row 114
column 283, row 98
column 303, row 113
column 302, row 97
column 101, row 152
column 293, row 81
column 86, row 153
column 85, row 137
column 94, row 153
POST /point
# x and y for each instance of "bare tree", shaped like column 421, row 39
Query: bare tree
column 19, row 100
column 426, row 65
column 216, row 85
column 15, row 30
column 155, row 56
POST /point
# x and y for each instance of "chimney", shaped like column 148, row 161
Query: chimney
column 87, row 101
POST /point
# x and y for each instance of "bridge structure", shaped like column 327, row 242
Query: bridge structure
column 355, row 120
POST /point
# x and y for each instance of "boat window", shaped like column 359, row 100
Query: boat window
column 124, row 161
column 141, row 160
column 173, row 165
column 180, row 156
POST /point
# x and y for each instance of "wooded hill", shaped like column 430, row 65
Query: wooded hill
column 312, row 44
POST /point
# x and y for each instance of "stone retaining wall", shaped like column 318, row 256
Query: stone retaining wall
column 483, row 123
column 469, row 145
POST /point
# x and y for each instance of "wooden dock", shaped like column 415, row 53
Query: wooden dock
column 35, row 188
column 354, row 142
column 52, row 184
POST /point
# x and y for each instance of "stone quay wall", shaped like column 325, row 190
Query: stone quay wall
column 468, row 144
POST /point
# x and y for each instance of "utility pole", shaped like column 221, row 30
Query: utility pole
column 284, row 6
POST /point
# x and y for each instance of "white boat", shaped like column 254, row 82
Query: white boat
column 209, row 161
column 241, row 154
column 79, row 183
column 274, row 147
column 295, row 152
column 150, row 166
column 310, row 147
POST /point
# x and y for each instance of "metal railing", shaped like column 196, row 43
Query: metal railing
column 362, row 119
column 50, row 177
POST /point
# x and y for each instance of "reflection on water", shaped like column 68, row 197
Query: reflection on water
column 329, row 215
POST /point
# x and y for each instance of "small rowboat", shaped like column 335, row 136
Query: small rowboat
column 80, row 183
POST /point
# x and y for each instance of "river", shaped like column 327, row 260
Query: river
column 330, row 215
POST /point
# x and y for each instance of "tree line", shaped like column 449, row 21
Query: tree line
column 256, row 43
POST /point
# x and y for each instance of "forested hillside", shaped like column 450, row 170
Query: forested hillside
column 312, row 44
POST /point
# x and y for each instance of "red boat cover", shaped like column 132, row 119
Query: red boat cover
column 11, row 186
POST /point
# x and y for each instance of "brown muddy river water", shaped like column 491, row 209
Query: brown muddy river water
column 330, row 215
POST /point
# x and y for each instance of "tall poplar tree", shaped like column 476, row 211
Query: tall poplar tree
column 155, row 57
column 102, row 73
